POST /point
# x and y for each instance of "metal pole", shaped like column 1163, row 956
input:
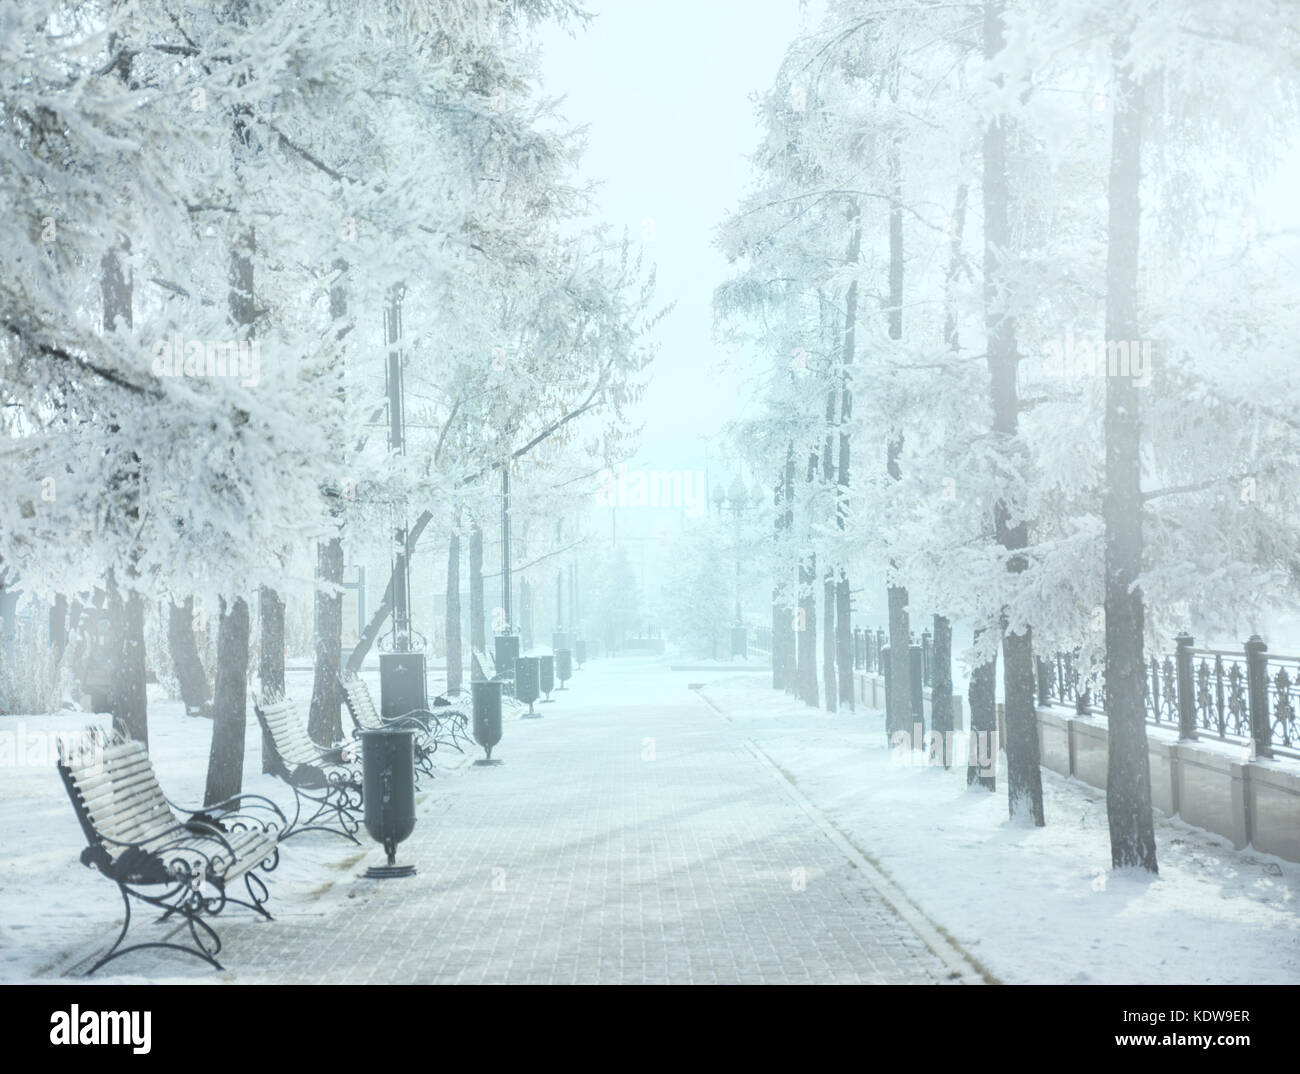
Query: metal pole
column 397, row 443
column 1257, row 695
column 393, row 319
column 401, row 598
column 559, row 579
column 1184, row 680
column 505, row 548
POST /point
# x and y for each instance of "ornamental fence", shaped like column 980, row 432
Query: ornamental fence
column 1251, row 696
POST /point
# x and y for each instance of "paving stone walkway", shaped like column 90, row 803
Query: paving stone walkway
column 629, row 837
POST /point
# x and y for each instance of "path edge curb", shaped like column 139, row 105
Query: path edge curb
column 964, row 968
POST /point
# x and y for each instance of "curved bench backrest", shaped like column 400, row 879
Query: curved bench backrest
column 361, row 706
column 288, row 733
column 114, row 791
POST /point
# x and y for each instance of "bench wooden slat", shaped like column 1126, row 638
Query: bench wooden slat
column 125, row 815
column 127, row 824
column 116, row 788
column 129, row 786
column 134, row 799
column 289, row 734
column 128, row 815
column 98, row 776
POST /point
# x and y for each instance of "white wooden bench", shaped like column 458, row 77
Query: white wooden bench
column 431, row 729
column 326, row 778
column 176, row 859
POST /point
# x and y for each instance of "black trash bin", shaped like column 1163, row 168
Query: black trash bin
column 507, row 652
column 563, row 666
column 547, row 678
column 580, row 652
column 388, row 790
column 528, row 679
column 487, row 716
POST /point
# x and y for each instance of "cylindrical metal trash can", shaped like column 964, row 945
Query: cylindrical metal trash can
column 388, row 790
column 507, row 651
column 563, row 666
column 487, row 716
column 528, row 677
column 547, row 676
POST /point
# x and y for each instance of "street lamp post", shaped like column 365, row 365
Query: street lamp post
column 737, row 499
column 402, row 670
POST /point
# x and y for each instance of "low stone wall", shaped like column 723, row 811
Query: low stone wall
column 871, row 692
column 1211, row 784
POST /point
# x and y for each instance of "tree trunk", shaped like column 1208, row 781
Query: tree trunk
column 1024, row 777
column 843, row 612
column 829, row 675
column 325, row 717
column 844, row 638
column 898, row 702
column 574, row 621
column 59, row 627
column 785, row 663
column 229, row 706
column 455, row 664
column 981, row 767
column 477, row 633
column 806, row 630
column 898, row 699
column 270, row 664
column 193, row 680
column 127, row 699
column 1128, row 773
column 78, row 640
column 942, row 703
column 230, row 700
column 525, row 614
column 780, row 621
column 941, row 687
column 385, row 609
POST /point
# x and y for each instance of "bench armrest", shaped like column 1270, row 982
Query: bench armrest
column 184, row 835
column 221, row 811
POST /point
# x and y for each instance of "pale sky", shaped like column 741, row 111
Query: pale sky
column 664, row 86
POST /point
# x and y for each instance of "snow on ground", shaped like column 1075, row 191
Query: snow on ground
column 1033, row 905
column 52, row 908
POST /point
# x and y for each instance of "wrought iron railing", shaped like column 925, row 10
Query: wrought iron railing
column 1251, row 696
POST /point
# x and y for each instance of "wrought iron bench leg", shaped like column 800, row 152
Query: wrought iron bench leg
column 348, row 825
column 199, row 950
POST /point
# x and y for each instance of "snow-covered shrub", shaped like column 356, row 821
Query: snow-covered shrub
column 30, row 680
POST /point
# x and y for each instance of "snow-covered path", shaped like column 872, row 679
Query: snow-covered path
column 643, row 831
column 629, row 836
